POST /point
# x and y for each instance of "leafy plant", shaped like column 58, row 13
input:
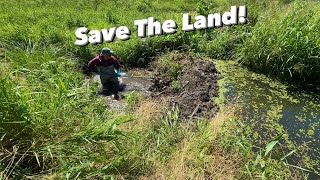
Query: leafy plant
column 263, row 162
column 175, row 85
column 132, row 99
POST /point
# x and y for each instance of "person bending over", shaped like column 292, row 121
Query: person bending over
column 108, row 67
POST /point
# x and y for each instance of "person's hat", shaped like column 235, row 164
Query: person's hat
column 106, row 51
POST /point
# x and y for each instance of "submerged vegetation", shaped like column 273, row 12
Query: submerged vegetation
column 52, row 124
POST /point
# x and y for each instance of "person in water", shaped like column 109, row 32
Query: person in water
column 108, row 67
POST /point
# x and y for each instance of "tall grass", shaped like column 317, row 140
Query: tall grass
column 48, row 107
column 14, row 113
column 52, row 124
column 291, row 53
column 57, row 28
column 280, row 38
column 286, row 45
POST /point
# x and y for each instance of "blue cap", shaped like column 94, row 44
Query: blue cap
column 106, row 51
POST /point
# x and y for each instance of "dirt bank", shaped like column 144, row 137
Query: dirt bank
column 193, row 90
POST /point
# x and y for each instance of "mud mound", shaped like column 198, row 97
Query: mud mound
column 198, row 86
column 192, row 90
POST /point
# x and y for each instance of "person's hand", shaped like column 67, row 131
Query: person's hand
column 99, row 73
column 118, row 72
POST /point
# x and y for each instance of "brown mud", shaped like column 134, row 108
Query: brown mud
column 195, row 89
column 198, row 86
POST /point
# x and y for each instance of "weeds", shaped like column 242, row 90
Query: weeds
column 170, row 65
column 53, row 125
column 132, row 99
column 262, row 163
column 286, row 47
column 175, row 85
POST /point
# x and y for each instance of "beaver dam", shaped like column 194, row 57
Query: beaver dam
column 191, row 90
column 192, row 86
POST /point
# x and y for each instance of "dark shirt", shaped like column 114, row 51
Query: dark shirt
column 99, row 61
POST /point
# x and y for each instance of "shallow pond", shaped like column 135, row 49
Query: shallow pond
column 274, row 107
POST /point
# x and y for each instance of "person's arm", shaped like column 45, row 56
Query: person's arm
column 117, row 65
column 92, row 65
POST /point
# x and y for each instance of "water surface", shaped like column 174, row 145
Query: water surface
column 274, row 107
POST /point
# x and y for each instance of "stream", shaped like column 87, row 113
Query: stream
column 274, row 107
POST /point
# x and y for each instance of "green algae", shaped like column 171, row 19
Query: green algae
column 274, row 108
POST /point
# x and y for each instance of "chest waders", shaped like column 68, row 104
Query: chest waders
column 109, row 82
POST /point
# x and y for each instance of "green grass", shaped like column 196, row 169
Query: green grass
column 279, row 40
column 286, row 46
column 53, row 125
column 170, row 65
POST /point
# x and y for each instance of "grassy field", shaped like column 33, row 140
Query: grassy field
column 52, row 125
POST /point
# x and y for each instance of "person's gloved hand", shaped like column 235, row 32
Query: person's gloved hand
column 118, row 72
column 99, row 73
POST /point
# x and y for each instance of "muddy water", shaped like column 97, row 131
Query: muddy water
column 136, row 84
column 140, row 82
column 273, row 107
